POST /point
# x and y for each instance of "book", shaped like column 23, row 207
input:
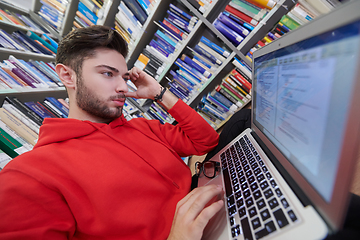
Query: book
column 246, row 8
column 33, row 36
column 87, row 13
column 91, row 6
column 322, row 7
column 179, row 22
column 130, row 14
column 9, row 145
column 196, row 66
column 84, row 18
column 238, row 28
column 21, row 116
column 20, row 128
column 137, row 10
column 219, row 89
column 40, row 111
column 26, row 73
column 4, row 159
column 241, row 15
column 289, row 22
column 54, row 110
column 231, row 35
column 211, row 51
column 47, row 110
column 214, row 47
column 59, row 105
column 269, row 4
column 24, row 109
column 207, row 55
column 64, row 103
column 191, row 19
column 33, row 43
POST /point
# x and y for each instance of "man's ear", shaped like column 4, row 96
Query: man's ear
column 66, row 75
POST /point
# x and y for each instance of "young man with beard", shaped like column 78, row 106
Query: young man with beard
column 95, row 175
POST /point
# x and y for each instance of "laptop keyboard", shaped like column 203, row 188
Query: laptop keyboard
column 257, row 206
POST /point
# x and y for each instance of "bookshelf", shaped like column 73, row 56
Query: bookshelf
column 22, row 94
column 204, row 27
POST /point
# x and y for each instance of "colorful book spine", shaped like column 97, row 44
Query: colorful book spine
column 215, row 47
column 242, row 31
column 234, row 37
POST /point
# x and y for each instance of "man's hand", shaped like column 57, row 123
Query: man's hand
column 192, row 213
column 147, row 86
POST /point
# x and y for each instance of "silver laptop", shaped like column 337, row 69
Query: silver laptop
column 288, row 177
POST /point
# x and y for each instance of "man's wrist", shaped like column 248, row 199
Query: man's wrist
column 159, row 97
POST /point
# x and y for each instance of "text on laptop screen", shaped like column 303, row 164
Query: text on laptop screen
column 301, row 99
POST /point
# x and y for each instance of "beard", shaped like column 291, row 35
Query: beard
column 88, row 101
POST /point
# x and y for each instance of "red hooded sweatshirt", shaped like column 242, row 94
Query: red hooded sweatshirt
column 86, row 180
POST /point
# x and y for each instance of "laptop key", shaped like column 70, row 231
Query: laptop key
column 268, row 193
column 256, row 223
column 257, row 194
column 249, row 202
column 265, row 214
column 273, row 203
column 284, row 203
column 292, row 215
column 232, row 210
column 240, row 202
column 231, row 200
column 227, row 182
column 232, row 221
column 278, row 192
column 260, row 203
column 242, row 212
column 247, row 193
column 235, row 231
column 246, row 229
column 269, row 228
column 280, row 218
column 252, row 212
column 237, row 195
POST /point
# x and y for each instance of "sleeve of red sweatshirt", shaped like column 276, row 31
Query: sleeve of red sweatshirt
column 39, row 211
column 191, row 128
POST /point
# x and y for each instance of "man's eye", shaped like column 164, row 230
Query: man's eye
column 108, row 74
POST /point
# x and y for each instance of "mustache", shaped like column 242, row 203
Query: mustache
column 118, row 96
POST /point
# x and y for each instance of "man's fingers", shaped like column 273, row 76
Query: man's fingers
column 195, row 202
column 205, row 215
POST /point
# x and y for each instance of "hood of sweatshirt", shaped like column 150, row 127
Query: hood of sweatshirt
column 62, row 129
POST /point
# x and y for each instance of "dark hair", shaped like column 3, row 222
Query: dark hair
column 81, row 43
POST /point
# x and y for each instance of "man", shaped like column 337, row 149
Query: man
column 96, row 175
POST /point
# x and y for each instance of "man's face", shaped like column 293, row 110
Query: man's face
column 101, row 85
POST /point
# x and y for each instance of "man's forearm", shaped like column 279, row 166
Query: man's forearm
column 168, row 100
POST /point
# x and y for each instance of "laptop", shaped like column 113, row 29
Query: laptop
column 289, row 175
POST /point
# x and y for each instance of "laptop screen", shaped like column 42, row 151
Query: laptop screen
column 301, row 99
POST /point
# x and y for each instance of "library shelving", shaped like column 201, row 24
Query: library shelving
column 34, row 94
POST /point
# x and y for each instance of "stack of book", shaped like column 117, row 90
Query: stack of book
column 156, row 111
column 240, row 17
column 233, row 93
column 20, row 123
column 53, row 12
column 303, row 12
column 91, row 12
column 173, row 29
column 18, row 19
column 17, row 75
column 195, row 68
column 131, row 18
column 28, row 42
column 201, row 5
